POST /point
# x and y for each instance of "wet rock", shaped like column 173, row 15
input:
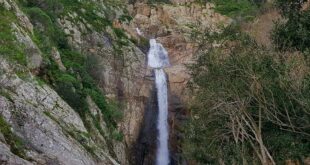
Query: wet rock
column 172, row 25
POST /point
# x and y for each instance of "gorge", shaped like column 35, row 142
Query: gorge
column 158, row 59
column 199, row 82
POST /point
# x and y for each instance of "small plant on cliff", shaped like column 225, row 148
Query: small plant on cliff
column 158, row 1
column 8, row 45
column 16, row 144
column 236, row 8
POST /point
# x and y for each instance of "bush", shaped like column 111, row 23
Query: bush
column 117, row 135
column 69, row 88
column 293, row 33
column 53, row 7
column 47, row 33
column 289, row 7
column 244, row 99
column 8, row 47
column 111, row 111
column 158, row 1
column 236, row 8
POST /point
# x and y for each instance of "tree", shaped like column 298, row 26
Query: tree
column 295, row 31
column 246, row 107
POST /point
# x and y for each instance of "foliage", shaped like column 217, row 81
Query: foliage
column 236, row 8
column 158, row 1
column 289, row 7
column 16, row 144
column 9, row 48
column 247, row 107
column 47, row 32
column 85, row 9
column 119, row 136
column 293, row 33
column 125, row 18
column 75, row 84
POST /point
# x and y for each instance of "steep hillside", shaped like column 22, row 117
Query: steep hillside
column 57, row 60
column 250, row 101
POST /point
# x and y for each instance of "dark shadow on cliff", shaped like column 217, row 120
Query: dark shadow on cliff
column 144, row 150
column 177, row 118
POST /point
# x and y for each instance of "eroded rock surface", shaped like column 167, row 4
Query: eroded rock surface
column 173, row 25
column 44, row 121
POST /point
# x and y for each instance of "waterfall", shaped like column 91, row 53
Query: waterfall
column 158, row 59
column 139, row 32
column 162, row 157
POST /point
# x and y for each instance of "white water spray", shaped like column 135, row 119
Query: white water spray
column 157, row 56
column 158, row 59
column 139, row 32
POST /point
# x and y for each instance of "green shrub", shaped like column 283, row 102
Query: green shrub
column 235, row 8
column 75, row 84
column 47, row 34
column 293, row 33
column 158, row 1
column 108, row 113
column 117, row 135
column 245, row 91
column 69, row 88
column 289, row 7
column 9, row 48
column 125, row 18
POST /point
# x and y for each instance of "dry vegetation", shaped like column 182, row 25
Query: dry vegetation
column 251, row 101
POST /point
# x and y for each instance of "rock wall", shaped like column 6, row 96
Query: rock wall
column 53, row 133
column 45, row 122
column 173, row 25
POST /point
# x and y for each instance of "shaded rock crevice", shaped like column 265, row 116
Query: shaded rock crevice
column 144, row 149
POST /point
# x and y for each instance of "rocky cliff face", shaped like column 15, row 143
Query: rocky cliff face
column 50, row 130
column 47, row 129
column 174, row 26
column 48, row 125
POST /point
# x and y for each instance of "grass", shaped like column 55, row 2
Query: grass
column 158, row 1
column 5, row 94
column 119, row 136
column 47, row 35
column 9, row 48
column 236, row 8
column 85, row 9
column 75, row 84
column 16, row 144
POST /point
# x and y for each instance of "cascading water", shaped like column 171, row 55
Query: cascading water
column 158, row 59
column 162, row 157
column 139, row 32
